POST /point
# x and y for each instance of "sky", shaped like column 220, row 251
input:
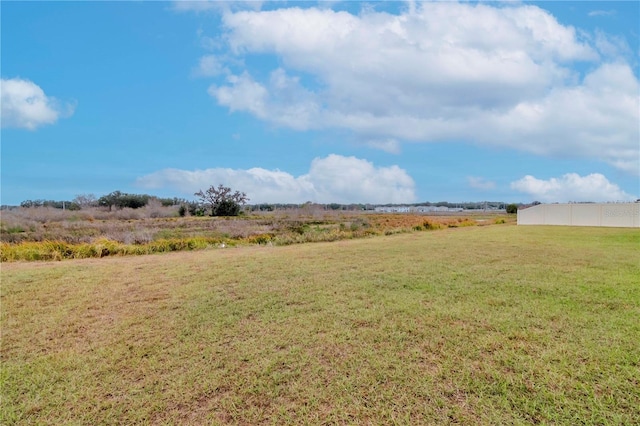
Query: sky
column 327, row 101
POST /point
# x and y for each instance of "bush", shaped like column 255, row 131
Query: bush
column 226, row 208
column 260, row 239
column 431, row 225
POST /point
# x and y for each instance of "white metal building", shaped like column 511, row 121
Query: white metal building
column 622, row 215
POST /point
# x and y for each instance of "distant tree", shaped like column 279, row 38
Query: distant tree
column 263, row 207
column 512, row 208
column 110, row 199
column 86, row 200
column 194, row 208
column 175, row 201
column 220, row 201
column 64, row 205
column 121, row 200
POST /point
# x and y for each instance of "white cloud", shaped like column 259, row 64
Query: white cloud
column 331, row 179
column 243, row 94
column 480, row 183
column 571, row 187
column 437, row 72
column 611, row 46
column 25, row 105
column 598, row 119
column 282, row 101
column 210, row 66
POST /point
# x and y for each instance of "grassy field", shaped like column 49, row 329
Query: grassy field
column 474, row 325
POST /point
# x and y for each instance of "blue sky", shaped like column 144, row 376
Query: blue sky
column 348, row 102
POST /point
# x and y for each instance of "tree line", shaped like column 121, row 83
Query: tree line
column 115, row 199
column 223, row 201
column 214, row 201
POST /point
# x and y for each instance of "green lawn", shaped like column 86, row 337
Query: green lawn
column 477, row 325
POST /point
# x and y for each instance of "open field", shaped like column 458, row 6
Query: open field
column 474, row 325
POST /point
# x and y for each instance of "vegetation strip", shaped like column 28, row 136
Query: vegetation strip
column 68, row 236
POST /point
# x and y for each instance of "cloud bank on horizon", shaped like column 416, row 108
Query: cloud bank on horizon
column 334, row 179
column 347, row 180
column 571, row 187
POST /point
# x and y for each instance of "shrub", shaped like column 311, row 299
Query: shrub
column 431, row 225
column 15, row 229
column 260, row 239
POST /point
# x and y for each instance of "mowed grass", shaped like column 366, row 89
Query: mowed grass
column 478, row 325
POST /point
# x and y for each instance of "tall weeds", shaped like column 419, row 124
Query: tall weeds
column 58, row 250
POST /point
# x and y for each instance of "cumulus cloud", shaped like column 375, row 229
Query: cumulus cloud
column 439, row 72
column 334, row 178
column 26, row 106
column 571, row 187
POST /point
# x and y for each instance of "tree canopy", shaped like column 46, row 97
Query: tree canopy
column 221, row 201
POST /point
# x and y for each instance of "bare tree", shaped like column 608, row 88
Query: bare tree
column 86, row 200
column 221, row 201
